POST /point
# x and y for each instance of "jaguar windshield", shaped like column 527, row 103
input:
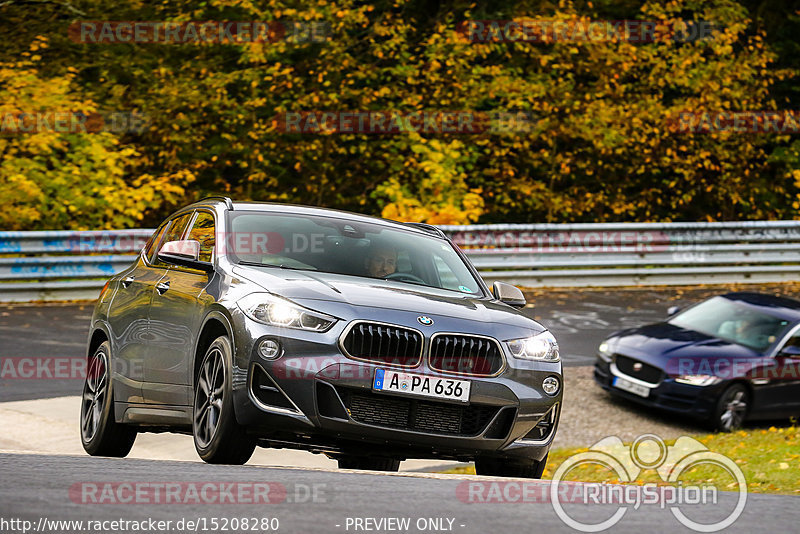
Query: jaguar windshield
column 732, row 321
column 344, row 246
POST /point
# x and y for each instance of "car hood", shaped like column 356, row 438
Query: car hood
column 339, row 295
column 673, row 349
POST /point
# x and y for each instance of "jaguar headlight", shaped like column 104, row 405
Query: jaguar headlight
column 698, row 380
column 276, row 311
column 607, row 347
column 542, row 347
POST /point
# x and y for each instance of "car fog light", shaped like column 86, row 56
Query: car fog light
column 550, row 385
column 269, row 349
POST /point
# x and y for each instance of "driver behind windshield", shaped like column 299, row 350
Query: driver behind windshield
column 381, row 261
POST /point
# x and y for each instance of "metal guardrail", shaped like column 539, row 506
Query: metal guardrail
column 631, row 254
column 73, row 265
column 63, row 265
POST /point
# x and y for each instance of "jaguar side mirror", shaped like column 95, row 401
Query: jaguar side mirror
column 792, row 351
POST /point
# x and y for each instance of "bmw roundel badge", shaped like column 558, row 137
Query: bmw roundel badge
column 425, row 320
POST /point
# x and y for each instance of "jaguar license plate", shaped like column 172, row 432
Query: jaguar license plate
column 630, row 387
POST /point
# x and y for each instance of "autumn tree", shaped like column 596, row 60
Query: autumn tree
column 599, row 146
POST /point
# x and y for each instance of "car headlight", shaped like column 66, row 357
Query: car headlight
column 606, row 348
column 276, row 311
column 542, row 347
column 698, row 380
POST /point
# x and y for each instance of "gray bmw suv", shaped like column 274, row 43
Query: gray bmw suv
column 250, row 324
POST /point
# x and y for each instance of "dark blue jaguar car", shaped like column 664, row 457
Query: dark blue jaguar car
column 725, row 360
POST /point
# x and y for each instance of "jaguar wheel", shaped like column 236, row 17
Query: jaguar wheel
column 218, row 438
column 732, row 408
column 101, row 435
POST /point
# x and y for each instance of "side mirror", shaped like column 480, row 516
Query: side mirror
column 185, row 253
column 792, row 351
column 672, row 310
column 509, row 294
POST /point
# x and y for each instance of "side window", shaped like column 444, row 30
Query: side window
column 174, row 232
column 152, row 245
column 793, row 341
column 203, row 231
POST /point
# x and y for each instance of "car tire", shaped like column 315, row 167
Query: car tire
column 504, row 467
column 369, row 463
column 101, row 435
column 731, row 410
column 218, row 438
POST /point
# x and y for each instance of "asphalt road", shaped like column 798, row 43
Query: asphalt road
column 44, row 487
column 47, row 488
column 580, row 321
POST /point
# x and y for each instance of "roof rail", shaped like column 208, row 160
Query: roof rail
column 431, row 229
column 227, row 200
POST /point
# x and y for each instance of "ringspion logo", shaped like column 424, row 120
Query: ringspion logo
column 649, row 452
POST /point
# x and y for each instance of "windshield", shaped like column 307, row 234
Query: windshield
column 732, row 321
column 342, row 246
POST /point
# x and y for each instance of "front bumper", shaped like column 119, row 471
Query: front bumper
column 317, row 398
column 668, row 395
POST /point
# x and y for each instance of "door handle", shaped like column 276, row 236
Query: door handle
column 128, row 281
column 162, row 287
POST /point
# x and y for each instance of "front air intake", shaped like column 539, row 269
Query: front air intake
column 464, row 354
column 384, row 344
column 267, row 392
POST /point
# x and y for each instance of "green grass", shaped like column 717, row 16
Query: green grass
column 769, row 459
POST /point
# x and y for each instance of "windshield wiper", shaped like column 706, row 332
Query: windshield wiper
column 242, row 262
column 423, row 284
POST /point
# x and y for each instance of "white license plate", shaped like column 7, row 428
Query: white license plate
column 630, row 387
column 420, row 385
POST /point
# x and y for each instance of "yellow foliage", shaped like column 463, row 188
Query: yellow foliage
column 53, row 179
column 434, row 190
